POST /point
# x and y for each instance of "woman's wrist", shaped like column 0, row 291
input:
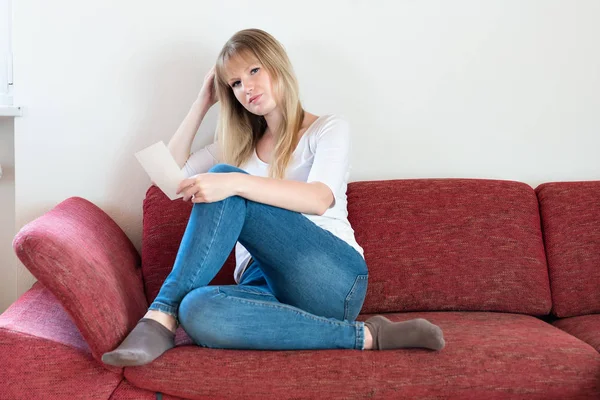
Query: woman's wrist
column 236, row 183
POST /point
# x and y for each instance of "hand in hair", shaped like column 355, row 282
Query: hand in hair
column 208, row 94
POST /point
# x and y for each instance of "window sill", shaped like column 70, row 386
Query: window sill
column 10, row 111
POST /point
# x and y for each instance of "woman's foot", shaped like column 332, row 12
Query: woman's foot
column 417, row 332
column 146, row 342
column 165, row 319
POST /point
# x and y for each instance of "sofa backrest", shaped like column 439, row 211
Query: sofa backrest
column 451, row 244
column 445, row 244
column 571, row 224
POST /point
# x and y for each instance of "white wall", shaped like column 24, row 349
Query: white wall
column 502, row 89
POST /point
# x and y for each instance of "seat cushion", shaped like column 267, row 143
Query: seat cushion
column 43, row 355
column 571, row 223
column 451, row 244
column 126, row 391
column 584, row 327
column 487, row 355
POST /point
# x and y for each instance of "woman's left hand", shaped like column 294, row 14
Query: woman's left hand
column 207, row 188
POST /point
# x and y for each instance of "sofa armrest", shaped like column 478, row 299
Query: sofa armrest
column 87, row 262
column 43, row 355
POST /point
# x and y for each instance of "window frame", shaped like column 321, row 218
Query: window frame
column 6, row 59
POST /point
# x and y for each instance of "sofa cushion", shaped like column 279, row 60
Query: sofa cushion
column 487, row 355
column 450, row 244
column 126, row 391
column 84, row 259
column 583, row 327
column 571, row 223
column 164, row 223
column 38, row 313
column 43, row 355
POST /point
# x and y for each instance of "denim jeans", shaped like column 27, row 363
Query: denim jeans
column 303, row 290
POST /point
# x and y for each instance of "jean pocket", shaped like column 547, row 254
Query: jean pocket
column 356, row 297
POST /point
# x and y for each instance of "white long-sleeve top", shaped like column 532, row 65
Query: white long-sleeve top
column 322, row 155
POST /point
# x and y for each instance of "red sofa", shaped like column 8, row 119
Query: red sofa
column 511, row 275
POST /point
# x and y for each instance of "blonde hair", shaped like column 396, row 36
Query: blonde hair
column 238, row 130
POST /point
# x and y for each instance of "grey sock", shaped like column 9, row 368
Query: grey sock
column 413, row 333
column 148, row 340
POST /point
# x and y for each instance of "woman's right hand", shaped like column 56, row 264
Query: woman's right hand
column 208, row 94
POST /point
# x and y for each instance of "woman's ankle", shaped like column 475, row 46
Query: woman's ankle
column 167, row 320
column 368, row 339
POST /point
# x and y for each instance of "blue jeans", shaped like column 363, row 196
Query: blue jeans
column 303, row 290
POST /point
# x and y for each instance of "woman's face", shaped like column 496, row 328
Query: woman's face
column 251, row 84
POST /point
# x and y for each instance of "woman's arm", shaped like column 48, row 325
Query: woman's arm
column 325, row 180
column 181, row 143
column 308, row 198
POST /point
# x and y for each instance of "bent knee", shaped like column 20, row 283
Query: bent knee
column 225, row 168
column 196, row 303
column 200, row 312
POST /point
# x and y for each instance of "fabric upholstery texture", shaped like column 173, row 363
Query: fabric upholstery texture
column 571, row 224
column 38, row 313
column 126, row 391
column 450, row 244
column 47, row 356
column 487, row 356
column 466, row 254
column 584, row 327
column 82, row 256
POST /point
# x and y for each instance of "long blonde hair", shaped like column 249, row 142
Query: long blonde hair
column 238, row 130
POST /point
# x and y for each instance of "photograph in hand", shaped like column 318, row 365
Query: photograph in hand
column 160, row 165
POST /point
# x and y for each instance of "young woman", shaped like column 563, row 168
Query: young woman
column 274, row 186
